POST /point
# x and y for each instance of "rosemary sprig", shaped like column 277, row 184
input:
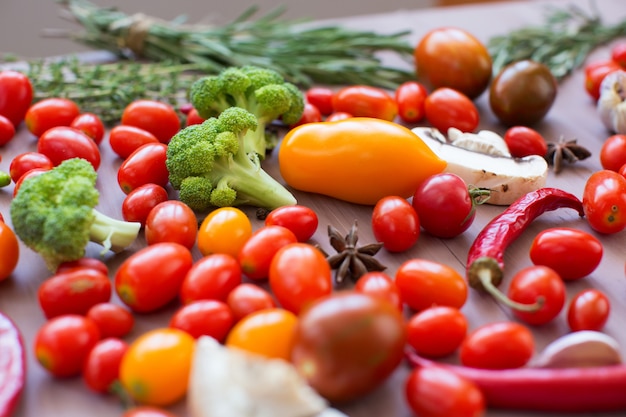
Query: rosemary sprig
column 304, row 54
column 562, row 43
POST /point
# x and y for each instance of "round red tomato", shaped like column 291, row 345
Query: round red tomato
column 193, row 118
column 62, row 344
column 365, row 101
column 7, row 130
column 172, row 221
column 395, row 224
column 588, row 310
column 9, row 251
column 410, row 97
column 26, row 161
column 381, row 285
column 248, row 298
column 63, row 142
column 604, row 201
column 424, row 283
column 49, row 113
column 322, row 98
column 343, row 361
column 152, row 277
column 156, row 117
column 310, row 114
column 83, row 263
column 426, row 388
column 212, row 277
column 452, row 57
column 572, row 253
column 146, row 165
column 112, row 319
column 444, row 205
column 425, row 335
column 204, row 318
column 16, row 95
column 256, row 254
column 91, row 125
column 338, row 115
column 125, row 140
column 537, row 284
column 498, row 345
column 73, row 292
column 523, row 141
column 595, row 73
column 139, row 202
column 301, row 220
column 618, row 54
column 299, row 274
column 613, row 152
column 102, row 365
column 446, row 108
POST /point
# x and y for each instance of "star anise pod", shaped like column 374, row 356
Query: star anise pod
column 565, row 151
column 352, row 261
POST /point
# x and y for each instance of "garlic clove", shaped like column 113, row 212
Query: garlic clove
column 610, row 106
column 580, row 349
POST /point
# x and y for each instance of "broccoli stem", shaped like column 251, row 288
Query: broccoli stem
column 112, row 234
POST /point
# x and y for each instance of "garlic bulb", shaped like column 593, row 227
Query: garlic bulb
column 611, row 105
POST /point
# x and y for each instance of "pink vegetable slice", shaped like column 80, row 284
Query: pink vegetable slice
column 12, row 365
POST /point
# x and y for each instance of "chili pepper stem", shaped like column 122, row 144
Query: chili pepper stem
column 485, row 279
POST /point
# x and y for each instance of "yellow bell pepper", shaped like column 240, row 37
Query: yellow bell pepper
column 359, row 160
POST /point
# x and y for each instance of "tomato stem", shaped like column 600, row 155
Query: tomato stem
column 485, row 277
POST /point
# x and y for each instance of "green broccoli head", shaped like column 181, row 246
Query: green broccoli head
column 262, row 91
column 53, row 214
column 207, row 164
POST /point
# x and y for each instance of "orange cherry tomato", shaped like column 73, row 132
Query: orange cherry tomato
column 9, row 251
column 224, row 230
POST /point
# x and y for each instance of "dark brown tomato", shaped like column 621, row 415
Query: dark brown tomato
column 348, row 343
column 522, row 93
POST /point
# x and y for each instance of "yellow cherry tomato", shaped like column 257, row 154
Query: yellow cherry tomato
column 224, row 230
column 266, row 332
column 155, row 368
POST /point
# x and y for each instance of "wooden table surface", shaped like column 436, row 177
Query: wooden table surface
column 573, row 116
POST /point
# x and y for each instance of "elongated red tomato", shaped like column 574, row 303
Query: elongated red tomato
column 156, row 117
column 410, row 97
column 301, row 220
column 124, row 140
column 257, row 253
column 138, row 203
column 146, row 165
column 446, row 108
column 91, row 125
column 588, row 310
column 49, row 113
column 395, row 224
column 63, row 142
column 212, row 277
column 604, row 201
column 365, row 101
column 26, row 161
column 16, row 95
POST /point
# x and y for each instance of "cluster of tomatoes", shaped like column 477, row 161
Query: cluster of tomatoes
column 595, row 71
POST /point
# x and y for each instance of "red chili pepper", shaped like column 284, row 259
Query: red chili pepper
column 485, row 260
column 590, row 389
column 12, row 365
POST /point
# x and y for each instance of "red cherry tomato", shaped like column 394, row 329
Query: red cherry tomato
column 301, row 220
column 16, row 95
column 338, row 115
column 595, row 73
column 426, row 388
column 7, row 130
column 588, row 310
column 613, row 152
column 446, row 108
column 31, row 173
column 62, row 344
column 533, row 283
column 322, row 98
column 139, row 202
column 83, row 263
column 310, row 114
column 146, row 165
column 212, row 277
column 572, row 253
column 365, row 101
column 63, row 142
column 410, row 97
column 152, row 277
column 193, row 118
column 125, row 140
column 172, row 221
column 73, row 292
column 444, row 205
column 91, row 125
column 395, row 224
column 204, row 318
column 248, row 298
column 424, row 331
column 604, row 201
column 49, row 113
column 523, row 141
column 26, row 161
column 299, row 274
column 618, row 54
column 112, row 319
column 102, row 365
column 257, row 252
column 498, row 345
column 380, row 285
column 156, row 117
column 9, row 251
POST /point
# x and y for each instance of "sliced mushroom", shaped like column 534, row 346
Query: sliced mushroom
column 484, row 141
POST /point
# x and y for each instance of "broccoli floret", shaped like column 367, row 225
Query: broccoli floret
column 261, row 91
column 207, row 164
column 54, row 214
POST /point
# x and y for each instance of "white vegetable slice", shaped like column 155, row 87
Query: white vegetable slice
column 228, row 382
column 507, row 178
column 484, row 141
column 580, row 349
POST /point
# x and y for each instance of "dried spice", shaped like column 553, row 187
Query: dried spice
column 352, row 261
column 565, row 151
